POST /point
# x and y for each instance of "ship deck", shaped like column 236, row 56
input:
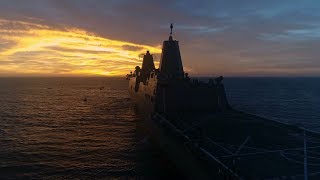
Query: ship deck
column 254, row 147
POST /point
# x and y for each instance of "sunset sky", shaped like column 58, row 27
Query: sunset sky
column 107, row 37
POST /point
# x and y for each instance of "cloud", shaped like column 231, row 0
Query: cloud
column 34, row 48
column 216, row 37
column 294, row 35
column 131, row 48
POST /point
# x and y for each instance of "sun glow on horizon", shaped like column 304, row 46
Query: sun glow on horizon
column 30, row 48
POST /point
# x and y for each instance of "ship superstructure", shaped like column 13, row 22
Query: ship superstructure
column 169, row 89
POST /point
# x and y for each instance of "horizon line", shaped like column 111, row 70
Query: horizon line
column 306, row 76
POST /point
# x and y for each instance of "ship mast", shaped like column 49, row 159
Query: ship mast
column 170, row 62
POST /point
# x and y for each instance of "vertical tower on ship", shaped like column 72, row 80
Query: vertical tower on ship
column 147, row 66
column 171, row 63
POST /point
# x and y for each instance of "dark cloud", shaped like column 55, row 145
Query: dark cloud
column 132, row 48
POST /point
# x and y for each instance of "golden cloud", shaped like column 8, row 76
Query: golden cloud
column 30, row 48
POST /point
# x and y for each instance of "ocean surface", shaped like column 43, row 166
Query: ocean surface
column 290, row 100
column 87, row 128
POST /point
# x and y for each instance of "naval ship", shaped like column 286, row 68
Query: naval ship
column 205, row 138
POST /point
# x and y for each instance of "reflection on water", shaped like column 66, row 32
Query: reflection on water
column 71, row 128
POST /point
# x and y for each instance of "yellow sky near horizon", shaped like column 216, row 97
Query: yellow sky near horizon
column 34, row 49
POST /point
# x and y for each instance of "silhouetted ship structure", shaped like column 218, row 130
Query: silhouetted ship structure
column 207, row 139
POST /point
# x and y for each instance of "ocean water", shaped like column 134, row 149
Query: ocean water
column 290, row 100
column 80, row 128
column 87, row 128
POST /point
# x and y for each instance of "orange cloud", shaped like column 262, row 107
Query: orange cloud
column 28, row 48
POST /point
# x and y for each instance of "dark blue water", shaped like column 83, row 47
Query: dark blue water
column 86, row 128
column 290, row 100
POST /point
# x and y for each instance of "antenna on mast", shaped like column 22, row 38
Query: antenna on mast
column 170, row 37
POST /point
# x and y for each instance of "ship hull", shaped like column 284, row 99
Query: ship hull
column 174, row 146
column 209, row 160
